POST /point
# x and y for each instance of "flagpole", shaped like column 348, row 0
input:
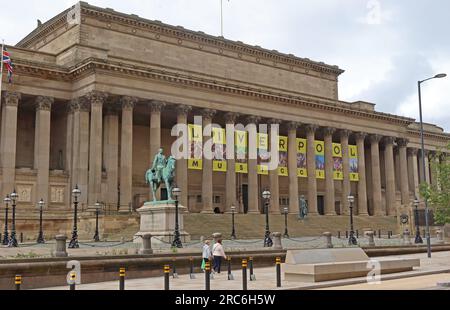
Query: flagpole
column 1, row 72
column 221, row 18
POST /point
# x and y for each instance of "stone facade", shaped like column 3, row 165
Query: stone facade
column 97, row 92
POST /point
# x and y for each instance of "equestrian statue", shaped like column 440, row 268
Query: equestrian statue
column 162, row 171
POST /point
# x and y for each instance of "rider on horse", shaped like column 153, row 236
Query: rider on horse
column 158, row 165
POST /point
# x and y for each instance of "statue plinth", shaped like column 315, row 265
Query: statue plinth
column 158, row 219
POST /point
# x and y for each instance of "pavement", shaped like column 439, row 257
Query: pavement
column 426, row 277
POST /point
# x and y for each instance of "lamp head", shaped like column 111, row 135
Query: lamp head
column 176, row 192
column 266, row 194
column 7, row 200
column 351, row 199
column 440, row 76
column 98, row 205
column 41, row 203
column 416, row 202
column 233, row 209
column 286, row 210
column 76, row 191
column 14, row 195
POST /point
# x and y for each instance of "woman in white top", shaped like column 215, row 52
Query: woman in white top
column 218, row 253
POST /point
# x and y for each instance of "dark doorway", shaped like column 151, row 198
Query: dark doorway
column 321, row 205
column 245, row 197
column 337, row 207
column 164, row 195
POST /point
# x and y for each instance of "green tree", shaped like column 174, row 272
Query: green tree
column 438, row 193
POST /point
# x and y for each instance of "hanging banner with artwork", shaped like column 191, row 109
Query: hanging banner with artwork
column 354, row 169
column 283, row 156
column 320, row 159
column 263, row 153
column 219, row 150
column 302, row 168
column 338, row 169
column 241, row 139
column 195, row 161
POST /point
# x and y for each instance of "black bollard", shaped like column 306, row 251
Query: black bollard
column 230, row 274
column 389, row 234
column 166, row 277
column 73, row 277
column 18, row 282
column 244, row 274
column 191, row 272
column 122, row 279
column 339, row 235
column 357, row 234
column 379, row 233
column 346, row 234
column 252, row 275
column 174, row 273
column 278, row 263
column 207, row 276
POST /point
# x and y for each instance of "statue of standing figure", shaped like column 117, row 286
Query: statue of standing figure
column 162, row 171
column 303, row 208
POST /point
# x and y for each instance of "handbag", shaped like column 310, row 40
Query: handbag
column 203, row 264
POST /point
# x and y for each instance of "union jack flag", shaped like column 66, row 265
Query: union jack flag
column 8, row 64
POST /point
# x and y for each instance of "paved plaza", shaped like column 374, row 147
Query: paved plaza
column 431, row 272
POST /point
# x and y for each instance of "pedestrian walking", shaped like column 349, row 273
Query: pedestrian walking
column 206, row 253
column 218, row 254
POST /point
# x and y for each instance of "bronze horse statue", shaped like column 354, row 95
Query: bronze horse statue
column 166, row 176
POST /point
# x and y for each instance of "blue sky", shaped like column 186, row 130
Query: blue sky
column 385, row 46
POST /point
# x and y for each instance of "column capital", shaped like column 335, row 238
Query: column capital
column 96, row 98
column 208, row 114
column 375, row 138
column 44, row 103
column 183, row 109
column 361, row 136
column 293, row 125
column 311, row 129
column 253, row 119
column 231, row 117
column 274, row 121
column 329, row 131
column 345, row 133
column 12, row 98
column 79, row 104
column 402, row 142
column 389, row 140
column 156, row 106
column 426, row 153
column 111, row 110
column 413, row 151
column 128, row 102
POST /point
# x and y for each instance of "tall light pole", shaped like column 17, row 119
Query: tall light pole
column 233, row 230
column 13, row 241
column 74, row 241
column 177, row 240
column 7, row 201
column 352, row 239
column 418, row 239
column 98, row 206
column 267, row 240
column 286, row 212
column 419, row 84
column 40, row 238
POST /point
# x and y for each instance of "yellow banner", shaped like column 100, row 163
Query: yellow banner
column 263, row 170
column 302, row 169
column 283, row 171
column 220, row 166
column 219, row 136
column 338, row 170
column 301, row 146
column 302, row 172
column 241, row 139
column 195, row 133
column 354, row 170
column 320, row 159
column 195, row 164
column 241, row 168
column 263, row 141
column 282, row 144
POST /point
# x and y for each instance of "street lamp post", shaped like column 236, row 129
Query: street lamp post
column 97, row 212
column 286, row 212
column 177, row 240
column 7, row 201
column 416, row 216
column 419, row 84
column 267, row 240
column 233, row 230
column 74, row 241
column 352, row 239
column 40, row 239
column 13, row 241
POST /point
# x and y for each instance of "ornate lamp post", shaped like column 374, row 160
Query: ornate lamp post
column 419, row 239
column 13, row 241
column 74, row 241
column 7, row 201
column 233, row 231
column 177, row 240
column 40, row 238
column 98, row 206
column 286, row 212
column 267, row 240
column 419, row 84
column 352, row 239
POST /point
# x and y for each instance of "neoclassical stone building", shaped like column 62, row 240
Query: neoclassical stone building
column 97, row 92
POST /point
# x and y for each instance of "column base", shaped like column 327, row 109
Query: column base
column 207, row 212
column 253, row 212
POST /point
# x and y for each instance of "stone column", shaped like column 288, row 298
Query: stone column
column 404, row 185
column 68, row 149
column 273, row 175
column 96, row 100
column 292, row 167
column 42, row 146
column 231, row 195
column 182, row 164
column 427, row 167
column 126, row 153
column 207, row 176
column 311, row 163
column 434, row 162
column 376, row 175
column 253, row 189
column 362, row 189
column 390, row 175
column 346, row 188
column 329, row 173
column 111, row 155
column 8, row 142
column 155, row 128
column 414, row 171
column 426, row 177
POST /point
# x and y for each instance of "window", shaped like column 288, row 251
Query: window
column 199, row 198
column 217, row 199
